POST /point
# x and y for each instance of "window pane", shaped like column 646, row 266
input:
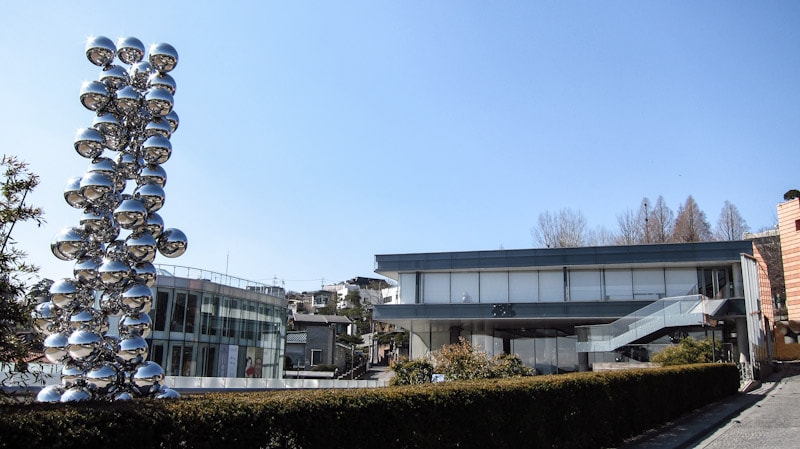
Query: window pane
column 494, row 287
column 681, row 281
column 523, row 287
column 619, row 285
column 191, row 312
column 584, row 285
column 407, row 285
column 464, row 287
column 551, row 286
column 436, row 287
column 162, row 302
column 178, row 312
column 648, row 284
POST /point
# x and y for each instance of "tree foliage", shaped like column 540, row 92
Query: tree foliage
column 691, row 224
column 687, row 351
column 15, row 308
column 459, row 361
column 660, row 220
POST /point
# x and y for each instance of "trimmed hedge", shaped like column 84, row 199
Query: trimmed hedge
column 582, row 410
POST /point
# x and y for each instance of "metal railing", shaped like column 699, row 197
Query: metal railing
column 666, row 312
column 219, row 278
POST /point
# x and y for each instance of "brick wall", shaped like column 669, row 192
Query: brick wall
column 765, row 289
column 789, row 227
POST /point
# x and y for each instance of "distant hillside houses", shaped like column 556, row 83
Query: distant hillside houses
column 371, row 291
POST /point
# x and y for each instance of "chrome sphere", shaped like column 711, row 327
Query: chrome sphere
column 152, row 173
column 83, row 344
column 72, row 193
column 65, row 293
column 130, row 50
column 72, row 374
column 173, row 120
column 100, row 225
column 158, row 102
column 145, row 273
column 148, row 374
column 94, row 95
column 130, row 214
column 50, row 393
column 132, row 347
column 70, row 243
column 88, row 142
column 151, row 195
column 137, row 298
column 114, row 77
column 114, row 273
column 127, row 100
column 156, row 150
column 123, row 396
column 172, row 243
column 45, row 318
column 103, row 377
column 154, row 225
column 162, row 81
column 95, row 186
column 163, row 57
column 158, row 127
column 85, row 318
column 100, row 50
column 85, row 271
column 109, row 127
column 136, row 324
column 141, row 247
column 104, row 165
column 167, row 393
column 76, row 394
column 55, row 347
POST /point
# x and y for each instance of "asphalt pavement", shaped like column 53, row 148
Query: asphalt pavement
column 766, row 416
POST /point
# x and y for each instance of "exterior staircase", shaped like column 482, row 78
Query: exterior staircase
column 677, row 311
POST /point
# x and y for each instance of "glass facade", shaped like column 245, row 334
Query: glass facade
column 204, row 329
column 564, row 285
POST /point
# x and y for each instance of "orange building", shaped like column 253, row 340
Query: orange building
column 789, row 227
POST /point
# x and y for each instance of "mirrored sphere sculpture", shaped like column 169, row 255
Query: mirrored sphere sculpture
column 119, row 233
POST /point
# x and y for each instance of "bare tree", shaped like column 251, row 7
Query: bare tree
column 691, row 224
column 601, row 236
column 731, row 225
column 566, row 229
column 659, row 222
column 629, row 228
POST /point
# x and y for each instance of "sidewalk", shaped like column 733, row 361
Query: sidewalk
column 711, row 426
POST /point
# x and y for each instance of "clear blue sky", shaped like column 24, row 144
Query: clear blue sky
column 315, row 135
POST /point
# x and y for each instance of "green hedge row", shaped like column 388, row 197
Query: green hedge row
column 582, row 410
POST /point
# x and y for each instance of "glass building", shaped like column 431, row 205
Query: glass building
column 207, row 324
column 536, row 302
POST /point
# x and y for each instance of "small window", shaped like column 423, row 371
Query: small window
column 797, row 225
column 316, row 356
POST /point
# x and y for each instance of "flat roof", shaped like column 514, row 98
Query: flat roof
column 675, row 254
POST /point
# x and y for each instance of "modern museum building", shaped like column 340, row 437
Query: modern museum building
column 567, row 309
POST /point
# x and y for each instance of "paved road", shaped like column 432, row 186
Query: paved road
column 767, row 417
column 773, row 422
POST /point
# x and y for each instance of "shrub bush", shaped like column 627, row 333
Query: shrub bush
column 687, row 351
column 580, row 410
